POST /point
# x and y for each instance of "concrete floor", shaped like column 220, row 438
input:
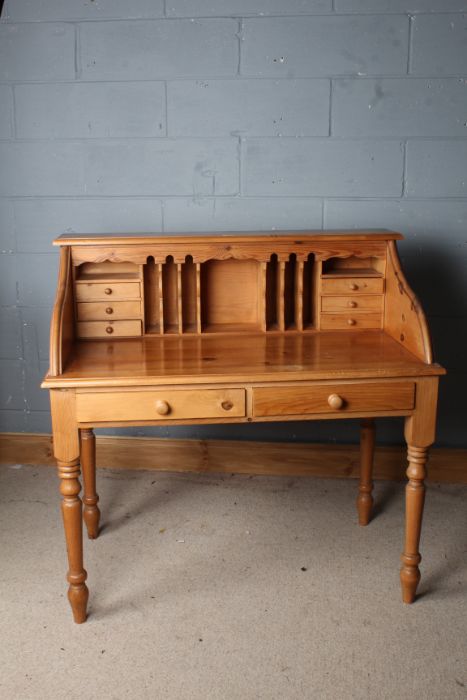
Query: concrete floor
column 230, row 587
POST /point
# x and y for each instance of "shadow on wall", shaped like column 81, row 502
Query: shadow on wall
column 439, row 279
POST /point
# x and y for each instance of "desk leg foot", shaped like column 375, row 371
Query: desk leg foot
column 414, row 500
column 365, row 489
column 71, row 510
column 91, row 512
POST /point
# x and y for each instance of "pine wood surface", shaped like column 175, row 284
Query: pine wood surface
column 210, row 358
column 253, row 236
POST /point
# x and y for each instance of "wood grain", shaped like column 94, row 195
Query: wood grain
column 208, row 358
column 404, row 319
column 106, row 310
column 352, row 285
column 107, row 291
column 108, row 328
column 62, row 322
column 350, row 321
column 299, row 400
column 143, row 405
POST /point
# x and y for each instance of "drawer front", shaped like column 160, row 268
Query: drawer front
column 364, row 302
column 349, row 321
column 93, row 291
column 352, row 285
column 98, row 310
column 338, row 399
column 173, row 404
column 108, row 329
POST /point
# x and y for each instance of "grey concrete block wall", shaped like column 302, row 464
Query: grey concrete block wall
column 204, row 115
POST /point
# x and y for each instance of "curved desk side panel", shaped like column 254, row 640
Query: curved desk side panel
column 62, row 323
column 404, row 319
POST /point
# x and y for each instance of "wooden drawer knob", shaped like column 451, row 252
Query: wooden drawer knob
column 227, row 405
column 109, row 330
column 335, row 401
column 351, row 321
column 162, row 408
column 109, row 310
column 107, row 290
column 352, row 304
column 353, row 286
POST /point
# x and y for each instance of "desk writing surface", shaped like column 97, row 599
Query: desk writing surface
column 258, row 357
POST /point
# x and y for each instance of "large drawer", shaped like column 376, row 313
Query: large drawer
column 172, row 404
column 93, row 291
column 333, row 398
column 354, row 285
column 109, row 310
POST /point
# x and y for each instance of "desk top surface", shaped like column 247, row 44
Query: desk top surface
column 79, row 239
column 239, row 358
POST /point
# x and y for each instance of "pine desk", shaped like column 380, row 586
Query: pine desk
column 234, row 328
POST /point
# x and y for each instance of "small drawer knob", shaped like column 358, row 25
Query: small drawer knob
column 109, row 330
column 107, row 290
column 109, row 310
column 335, row 401
column 352, row 304
column 227, row 405
column 353, row 286
column 351, row 321
column 162, row 408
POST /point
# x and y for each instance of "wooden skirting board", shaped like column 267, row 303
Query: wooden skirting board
column 225, row 456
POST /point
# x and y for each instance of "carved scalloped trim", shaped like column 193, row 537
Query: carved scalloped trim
column 241, row 251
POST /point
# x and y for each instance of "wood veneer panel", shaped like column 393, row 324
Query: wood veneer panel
column 341, row 235
column 109, row 311
column 352, row 303
column 170, row 296
column 189, row 297
column 151, row 296
column 299, row 400
column 230, row 294
column 403, row 316
column 352, row 285
column 93, row 291
column 163, row 404
column 108, row 329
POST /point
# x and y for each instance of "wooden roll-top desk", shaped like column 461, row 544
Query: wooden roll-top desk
column 234, row 328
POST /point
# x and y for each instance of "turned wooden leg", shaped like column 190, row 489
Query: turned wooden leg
column 414, row 500
column 71, row 510
column 91, row 512
column 365, row 488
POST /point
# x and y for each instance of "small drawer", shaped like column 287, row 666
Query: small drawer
column 108, row 329
column 111, row 310
column 173, row 404
column 364, row 302
column 352, row 285
column 350, row 321
column 336, row 399
column 93, row 291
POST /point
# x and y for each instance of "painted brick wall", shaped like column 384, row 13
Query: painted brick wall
column 211, row 115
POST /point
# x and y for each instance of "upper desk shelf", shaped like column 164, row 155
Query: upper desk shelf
column 128, row 286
